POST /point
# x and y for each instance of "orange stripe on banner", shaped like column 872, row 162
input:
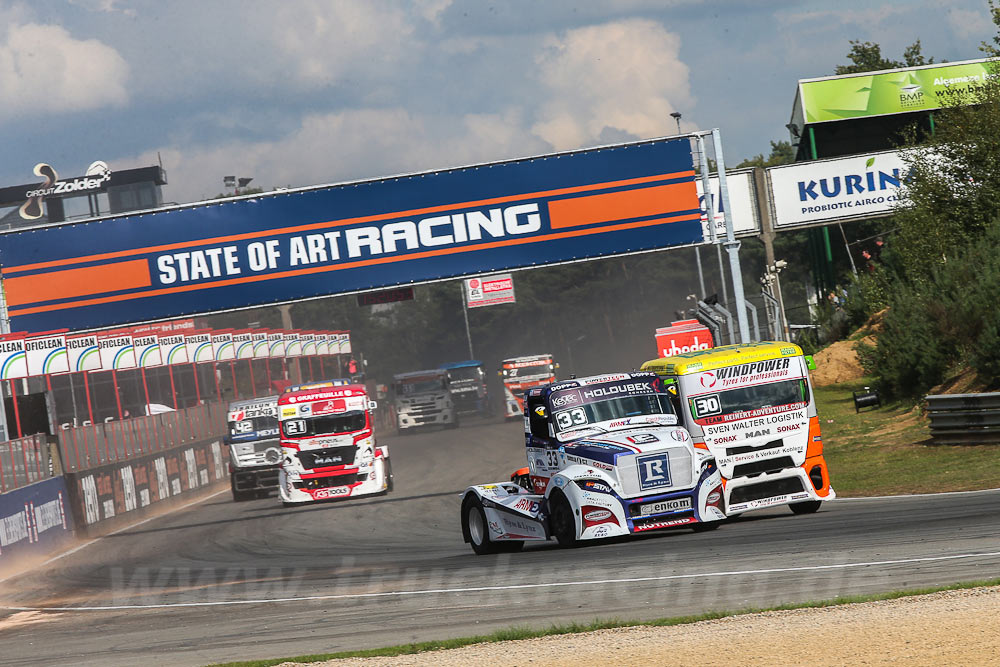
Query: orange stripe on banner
column 78, row 282
column 339, row 223
column 610, row 206
column 353, row 265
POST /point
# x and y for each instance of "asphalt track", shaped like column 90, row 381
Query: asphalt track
column 224, row 581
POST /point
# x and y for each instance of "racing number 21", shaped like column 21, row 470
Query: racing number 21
column 569, row 418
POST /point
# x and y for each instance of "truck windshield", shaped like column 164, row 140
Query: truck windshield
column 541, row 368
column 418, row 387
column 253, row 425
column 788, row 394
column 464, row 374
column 345, row 422
column 615, row 408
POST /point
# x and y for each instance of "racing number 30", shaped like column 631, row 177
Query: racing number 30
column 706, row 405
column 568, row 418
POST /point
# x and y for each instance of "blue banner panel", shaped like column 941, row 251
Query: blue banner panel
column 352, row 237
column 35, row 520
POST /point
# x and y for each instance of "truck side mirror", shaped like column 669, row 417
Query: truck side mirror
column 810, row 364
column 372, row 405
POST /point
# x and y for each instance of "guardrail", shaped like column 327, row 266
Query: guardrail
column 960, row 419
column 91, row 446
column 24, row 461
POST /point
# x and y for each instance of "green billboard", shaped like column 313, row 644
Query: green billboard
column 896, row 91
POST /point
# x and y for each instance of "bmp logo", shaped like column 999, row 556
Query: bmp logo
column 654, row 470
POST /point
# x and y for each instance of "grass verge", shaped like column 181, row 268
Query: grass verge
column 516, row 633
column 888, row 451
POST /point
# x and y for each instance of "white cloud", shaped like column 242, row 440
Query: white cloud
column 336, row 147
column 622, row 77
column 44, row 70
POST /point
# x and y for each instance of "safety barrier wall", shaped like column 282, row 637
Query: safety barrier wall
column 34, row 521
column 118, row 493
column 24, row 461
column 958, row 419
column 87, row 447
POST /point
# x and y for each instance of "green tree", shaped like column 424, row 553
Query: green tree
column 782, row 152
column 867, row 57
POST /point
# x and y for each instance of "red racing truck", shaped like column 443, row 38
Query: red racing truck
column 328, row 445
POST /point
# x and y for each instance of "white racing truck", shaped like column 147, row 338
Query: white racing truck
column 254, row 447
column 605, row 458
column 422, row 398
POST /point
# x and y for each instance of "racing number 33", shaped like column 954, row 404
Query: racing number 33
column 568, row 418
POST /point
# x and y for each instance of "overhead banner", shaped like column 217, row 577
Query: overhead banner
column 173, row 348
column 489, row 290
column 861, row 186
column 84, row 353
column 921, row 88
column 117, row 351
column 199, row 347
column 351, row 237
column 222, row 344
column 243, row 340
column 147, row 350
column 742, row 200
column 47, row 354
column 261, row 347
column 13, row 359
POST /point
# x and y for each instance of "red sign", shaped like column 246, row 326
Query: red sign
column 682, row 336
column 385, row 296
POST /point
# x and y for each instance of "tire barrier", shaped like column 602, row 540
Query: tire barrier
column 964, row 419
column 119, row 493
column 34, row 520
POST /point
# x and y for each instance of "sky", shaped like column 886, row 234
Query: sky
column 303, row 92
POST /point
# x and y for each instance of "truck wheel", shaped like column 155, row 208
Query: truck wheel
column 561, row 520
column 238, row 496
column 808, row 507
column 705, row 526
column 388, row 477
column 475, row 529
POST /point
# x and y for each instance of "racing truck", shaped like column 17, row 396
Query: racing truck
column 328, row 446
column 751, row 405
column 254, row 447
column 606, row 458
column 422, row 398
column 467, row 384
column 521, row 373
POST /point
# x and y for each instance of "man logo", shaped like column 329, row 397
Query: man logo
column 654, row 470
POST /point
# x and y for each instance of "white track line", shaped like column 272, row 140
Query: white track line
column 905, row 496
column 479, row 589
column 115, row 532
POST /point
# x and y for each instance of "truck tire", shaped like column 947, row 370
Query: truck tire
column 388, row 478
column 808, row 507
column 705, row 526
column 239, row 496
column 475, row 529
column 562, row 523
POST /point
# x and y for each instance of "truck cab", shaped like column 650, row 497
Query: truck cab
column 467, row 384
column 606, row 458
column 521, row 373
column 422, row 398
column 328, row 445
column 254, row 447
column 752, row 407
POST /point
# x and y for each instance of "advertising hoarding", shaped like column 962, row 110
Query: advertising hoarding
column 682, row 336
column 352, row 237
column 860, row 186
column 489, row 290
column 261, row 346
column 243, row 340
column 147, row 350
column 173, row 348
column 84, row 353
column 199, row 347
column 222, row 345
column 46, row 354
column 742, row 199
column 922, row 88
column 117, row 351
column 13, row 358
column 275, row 344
